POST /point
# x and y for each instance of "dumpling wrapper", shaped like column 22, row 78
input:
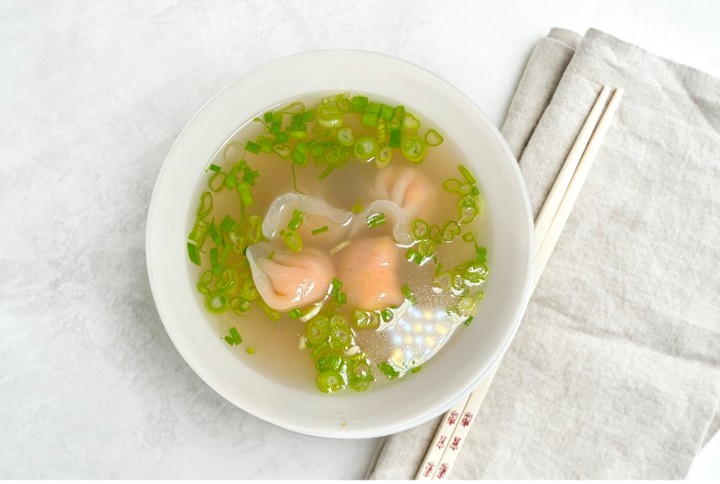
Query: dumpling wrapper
column 368, row 270
column 397, row 219
column 317, row 213
column 409, row 188
column 290, row 280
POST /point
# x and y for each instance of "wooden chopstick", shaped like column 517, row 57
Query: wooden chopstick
column 456, row 423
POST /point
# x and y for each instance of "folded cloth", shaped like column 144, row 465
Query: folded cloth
column 615, row 371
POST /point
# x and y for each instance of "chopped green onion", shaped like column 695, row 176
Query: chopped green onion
column 357, row 208
column 414, row 149
column 318, row 330
column 358, row 104
column 386, row 112
column 415, row 369
column 282, row 150
column 454, row 185
column 227, row 224
column 414, row 256
column 193, row 253
column 237, row 339
column 250, row 350
column 206, row 204
column 481, row 254
column 372, row 113
column 329, row 116
column 245, row 194
column 216, row 181
column 294, row 108
column 227, row 280
column 345, row 136
column 248, row 291
column 450, row 231
column 466, row 306
column 295, row 313
column 330, row 381
column 198, row 233
column 216, row 303
column 340, row 337
column 375, row 220
column 468, row 321
column 467, row 210
column 304, row 117
column 395, row 138
column 420, row 229
column 469, row 236
column 381, row 132
column 250, row 176
column 300, row 153
column 383, row 157
column 297, row 131
column 231, row 180
column 433, row 138
column 320, row 230
column 366, row 147
column 467, row 175
column 387, row 315
column 388, row 370
column 426, row 248
column 214, row 168
column 269, row 312
column 252, row 147
column 408, row 294
column 239, row 305
column 296, row 220
column 254, row 229
column 410, row 122
column 214, row 234
column 292, row 240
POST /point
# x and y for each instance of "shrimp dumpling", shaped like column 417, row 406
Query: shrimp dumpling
column 291, row 280
column 368, row 270
column 408, row 187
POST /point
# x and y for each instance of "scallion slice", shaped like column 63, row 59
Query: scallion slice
column 206, row 204
column 252, row 147
column 414, row 149
column 408, row 294
column 366, row 148
column 433, row 138
column 467, row 175
column 375, row 220
column 216, row 302
column 193, row 253
column 320, row 230
column 296, row 220
column 345, row 136
column 330, row 381
column 292, row 240
column 227, row 224
column 388, row 370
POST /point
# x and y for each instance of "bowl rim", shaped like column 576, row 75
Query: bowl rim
column 370, row 431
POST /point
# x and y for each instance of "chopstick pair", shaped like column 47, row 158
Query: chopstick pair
column 456, row 423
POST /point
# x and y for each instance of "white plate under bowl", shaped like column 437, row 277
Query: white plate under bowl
column 467, row 358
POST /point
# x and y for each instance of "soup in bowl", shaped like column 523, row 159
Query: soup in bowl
column 343, row 253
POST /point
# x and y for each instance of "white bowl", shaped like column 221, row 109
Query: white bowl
column 459, row 366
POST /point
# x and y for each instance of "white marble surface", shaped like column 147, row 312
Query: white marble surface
column 92, row 95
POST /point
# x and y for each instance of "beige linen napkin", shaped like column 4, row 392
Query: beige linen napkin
column 615, row 371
